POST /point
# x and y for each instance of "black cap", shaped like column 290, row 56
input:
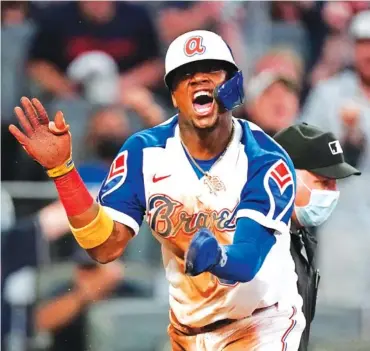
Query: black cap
column 316, row 151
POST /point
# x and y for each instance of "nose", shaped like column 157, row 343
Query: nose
column 199, row 78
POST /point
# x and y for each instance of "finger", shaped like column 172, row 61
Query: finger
column 30, row 112
column 22, row 138
column 43, row 116
column 59, row 120
column 24, row 122
column 58, row 126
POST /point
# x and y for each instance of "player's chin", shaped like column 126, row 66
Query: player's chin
column 205, row 119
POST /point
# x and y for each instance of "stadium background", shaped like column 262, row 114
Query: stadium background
column 102, row 64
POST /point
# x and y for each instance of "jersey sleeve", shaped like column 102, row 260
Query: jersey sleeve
column 122, row 192
column 268, row 196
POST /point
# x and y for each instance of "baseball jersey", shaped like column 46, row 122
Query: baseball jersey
column 152, row 179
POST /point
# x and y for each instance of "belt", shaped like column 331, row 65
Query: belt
column 190, row 331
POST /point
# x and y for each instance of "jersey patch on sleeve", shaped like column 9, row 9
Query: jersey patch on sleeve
column 279, row 186
column 117, row 174
column 118, row 167
column 281, row 175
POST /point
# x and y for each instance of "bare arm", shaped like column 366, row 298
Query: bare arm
column 114, row 246
column 147, row 74
column 141, row 100
column 50, row 78
column 91, row 286
column 59, row 312
column 49, row 143
column 173, row 22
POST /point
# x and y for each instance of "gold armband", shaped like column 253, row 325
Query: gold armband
column 96, row 232
column 61, row 170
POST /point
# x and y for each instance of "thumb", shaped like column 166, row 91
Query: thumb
column 58, row 126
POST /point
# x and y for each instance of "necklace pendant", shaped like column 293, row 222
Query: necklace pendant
column 214, row 184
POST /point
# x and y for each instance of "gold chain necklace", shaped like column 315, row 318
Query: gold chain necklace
column 214, row 183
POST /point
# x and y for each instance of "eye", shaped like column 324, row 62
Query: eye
column 326, row 184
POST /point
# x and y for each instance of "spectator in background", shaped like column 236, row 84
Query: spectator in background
column 341, row 104
column 63, row 312
column 346, row 98
column 108, row 128
column 272, row 101
column 329, row 22
column 178, row 17
column 336, row 51
column 282, row 60
column 13, row 13
column 107, row 51
column 15, row 28
column 122, row 30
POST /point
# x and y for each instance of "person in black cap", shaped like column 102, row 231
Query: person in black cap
column 318, row 159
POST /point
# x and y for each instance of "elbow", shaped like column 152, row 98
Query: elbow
column 252, row 275
column 249, row 274
column 113, row 247
column 104, row 257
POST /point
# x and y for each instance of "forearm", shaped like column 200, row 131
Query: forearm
column 91, row 226
column 238, row 262
column 174, row 22
column 147, row 74
column 243, row 259
column 141, row 100
column 59, row 312
column 50, row 78
column 49, row 143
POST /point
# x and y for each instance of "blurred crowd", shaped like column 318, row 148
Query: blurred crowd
column 102, row 64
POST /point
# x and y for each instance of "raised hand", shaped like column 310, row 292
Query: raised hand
column 47, row 142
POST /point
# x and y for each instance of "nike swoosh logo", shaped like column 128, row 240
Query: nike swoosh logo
column 155, row 179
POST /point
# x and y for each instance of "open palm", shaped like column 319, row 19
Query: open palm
column 48, row 142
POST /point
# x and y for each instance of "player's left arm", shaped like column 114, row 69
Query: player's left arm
column 265, row 208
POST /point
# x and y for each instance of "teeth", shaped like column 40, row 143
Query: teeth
column 202, row 92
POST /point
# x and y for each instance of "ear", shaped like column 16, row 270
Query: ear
column 174, row 102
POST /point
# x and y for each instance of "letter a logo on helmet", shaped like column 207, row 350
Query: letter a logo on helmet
column 194, row 46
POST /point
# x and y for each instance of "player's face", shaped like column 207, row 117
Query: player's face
column 192, row 94
column 313, row 181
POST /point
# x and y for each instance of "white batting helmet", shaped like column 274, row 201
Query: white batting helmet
column 195, row 46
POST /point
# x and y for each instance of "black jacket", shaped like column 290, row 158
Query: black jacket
column 303, row 249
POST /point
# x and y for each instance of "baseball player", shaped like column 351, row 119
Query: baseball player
column 216, row 191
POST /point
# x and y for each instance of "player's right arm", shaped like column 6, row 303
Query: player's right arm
column 49, row 143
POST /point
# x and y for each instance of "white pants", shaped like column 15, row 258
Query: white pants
column 272, row 329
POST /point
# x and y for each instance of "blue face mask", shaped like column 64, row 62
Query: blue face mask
column 321, row 205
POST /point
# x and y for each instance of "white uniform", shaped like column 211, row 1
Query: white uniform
column 152, row 178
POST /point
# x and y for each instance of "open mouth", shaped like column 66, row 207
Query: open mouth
column 203, row 102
